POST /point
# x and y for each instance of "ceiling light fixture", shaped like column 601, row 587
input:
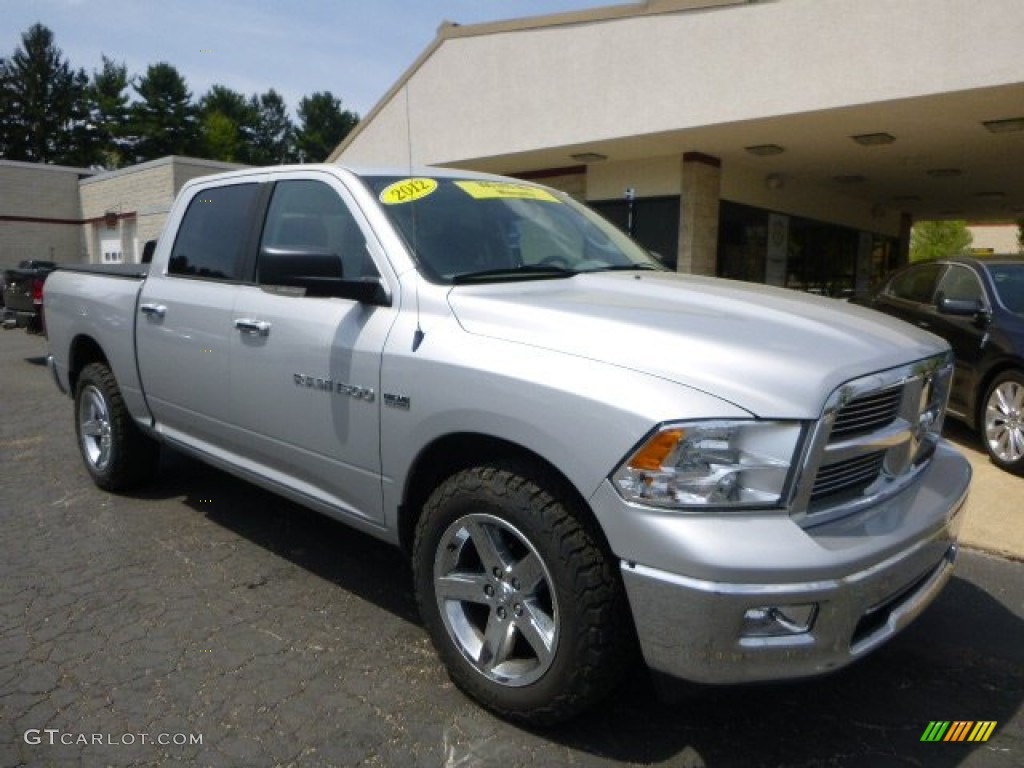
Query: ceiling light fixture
column 1007, row 125
column 588, row 157
column 765, row 150
column 873, row 139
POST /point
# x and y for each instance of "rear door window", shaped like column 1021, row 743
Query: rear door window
column 213, row 233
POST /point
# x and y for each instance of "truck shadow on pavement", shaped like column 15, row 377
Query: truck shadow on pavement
column 963, row 660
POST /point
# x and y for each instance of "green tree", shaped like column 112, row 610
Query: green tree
column 935, row 239
column 108, row 113
column 273, row 133
column 43, row 117
column 163, row 121
column 323, row 124
column 227, row 125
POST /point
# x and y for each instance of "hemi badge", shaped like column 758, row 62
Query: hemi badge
column 396, row 401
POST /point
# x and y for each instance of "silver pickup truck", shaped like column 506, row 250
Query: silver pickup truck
column 581, row 452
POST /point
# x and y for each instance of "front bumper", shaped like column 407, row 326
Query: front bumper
column 867, row 576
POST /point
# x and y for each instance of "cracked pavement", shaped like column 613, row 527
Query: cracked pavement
column 207, row 606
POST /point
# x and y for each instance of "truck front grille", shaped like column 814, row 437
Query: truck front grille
column 867, row 413
column 851, row 476
column 874, row 435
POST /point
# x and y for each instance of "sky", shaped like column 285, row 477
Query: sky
column 356, row 49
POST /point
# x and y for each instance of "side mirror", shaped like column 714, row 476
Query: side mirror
column 962, row 307
column 318, row 271
column 147, row 251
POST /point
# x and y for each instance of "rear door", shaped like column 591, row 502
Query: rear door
column 306, row 370
column 184, row 330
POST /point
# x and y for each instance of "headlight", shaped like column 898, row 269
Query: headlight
column 711, row 464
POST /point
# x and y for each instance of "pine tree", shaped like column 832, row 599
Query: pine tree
column 43, row 117
column 163, row 120
column 323, row 125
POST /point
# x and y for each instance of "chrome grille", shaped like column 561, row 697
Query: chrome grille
column 874, row 436
column 850, row 476
column 867, row 413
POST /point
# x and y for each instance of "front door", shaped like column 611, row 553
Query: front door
column 306, row 370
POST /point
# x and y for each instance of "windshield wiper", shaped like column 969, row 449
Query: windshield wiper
column 630, row 267
column 522, row 272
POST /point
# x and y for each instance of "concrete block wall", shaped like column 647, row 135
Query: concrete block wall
column 40, row 212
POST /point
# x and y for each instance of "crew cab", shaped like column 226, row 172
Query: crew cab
column 579, row 451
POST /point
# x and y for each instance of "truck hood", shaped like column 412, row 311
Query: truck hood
column 774, row 352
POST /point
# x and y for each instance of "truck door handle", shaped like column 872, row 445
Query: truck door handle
column 156, row 310
column 253, row 327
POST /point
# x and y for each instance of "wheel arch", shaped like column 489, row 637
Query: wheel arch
column 454, row 452
column 83, row 351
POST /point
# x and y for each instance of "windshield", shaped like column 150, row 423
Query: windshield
column 1009, row 283
column 469, row 229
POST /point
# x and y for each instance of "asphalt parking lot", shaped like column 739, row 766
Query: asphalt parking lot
column 206, row 622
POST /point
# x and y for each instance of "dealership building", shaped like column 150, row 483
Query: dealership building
column 791, row 142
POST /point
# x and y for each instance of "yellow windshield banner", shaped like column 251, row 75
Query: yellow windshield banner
column 407, row 190
column 488, row 190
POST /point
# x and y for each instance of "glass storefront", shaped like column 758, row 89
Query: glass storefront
column 760, row 246
column 798, row 253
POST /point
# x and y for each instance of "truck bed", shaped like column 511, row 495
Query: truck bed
column 137, row 271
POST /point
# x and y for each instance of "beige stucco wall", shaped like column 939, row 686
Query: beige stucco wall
column 657, row 176
column 1001, row 238
column 509, row 92
column 50, row 193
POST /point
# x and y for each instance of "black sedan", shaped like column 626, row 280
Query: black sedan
column 977, row 305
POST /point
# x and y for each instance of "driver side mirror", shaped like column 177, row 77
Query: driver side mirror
column 318, row 272
column 962, row 307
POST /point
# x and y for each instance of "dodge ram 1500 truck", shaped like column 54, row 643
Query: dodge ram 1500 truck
column 581, row 452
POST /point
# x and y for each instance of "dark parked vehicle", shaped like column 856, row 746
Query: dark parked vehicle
column 23, row 295
column 977, row 305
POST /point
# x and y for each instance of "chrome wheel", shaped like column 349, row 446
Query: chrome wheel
column 496, row 599
column 1004, row 421
column 94, row 428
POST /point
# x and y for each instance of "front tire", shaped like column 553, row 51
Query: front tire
column 116, row 454
column 1002, row 428
column 520, row 599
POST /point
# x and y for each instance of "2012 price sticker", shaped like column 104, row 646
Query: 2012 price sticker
column 407, row 190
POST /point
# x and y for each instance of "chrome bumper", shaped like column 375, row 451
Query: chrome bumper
column 864, row 579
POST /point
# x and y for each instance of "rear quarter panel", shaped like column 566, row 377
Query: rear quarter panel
column 84, row 309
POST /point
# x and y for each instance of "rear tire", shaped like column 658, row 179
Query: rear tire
column 117, row 455
column 1002, row 421
column 520, row 599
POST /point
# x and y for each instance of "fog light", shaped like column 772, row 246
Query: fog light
column 778, row 620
